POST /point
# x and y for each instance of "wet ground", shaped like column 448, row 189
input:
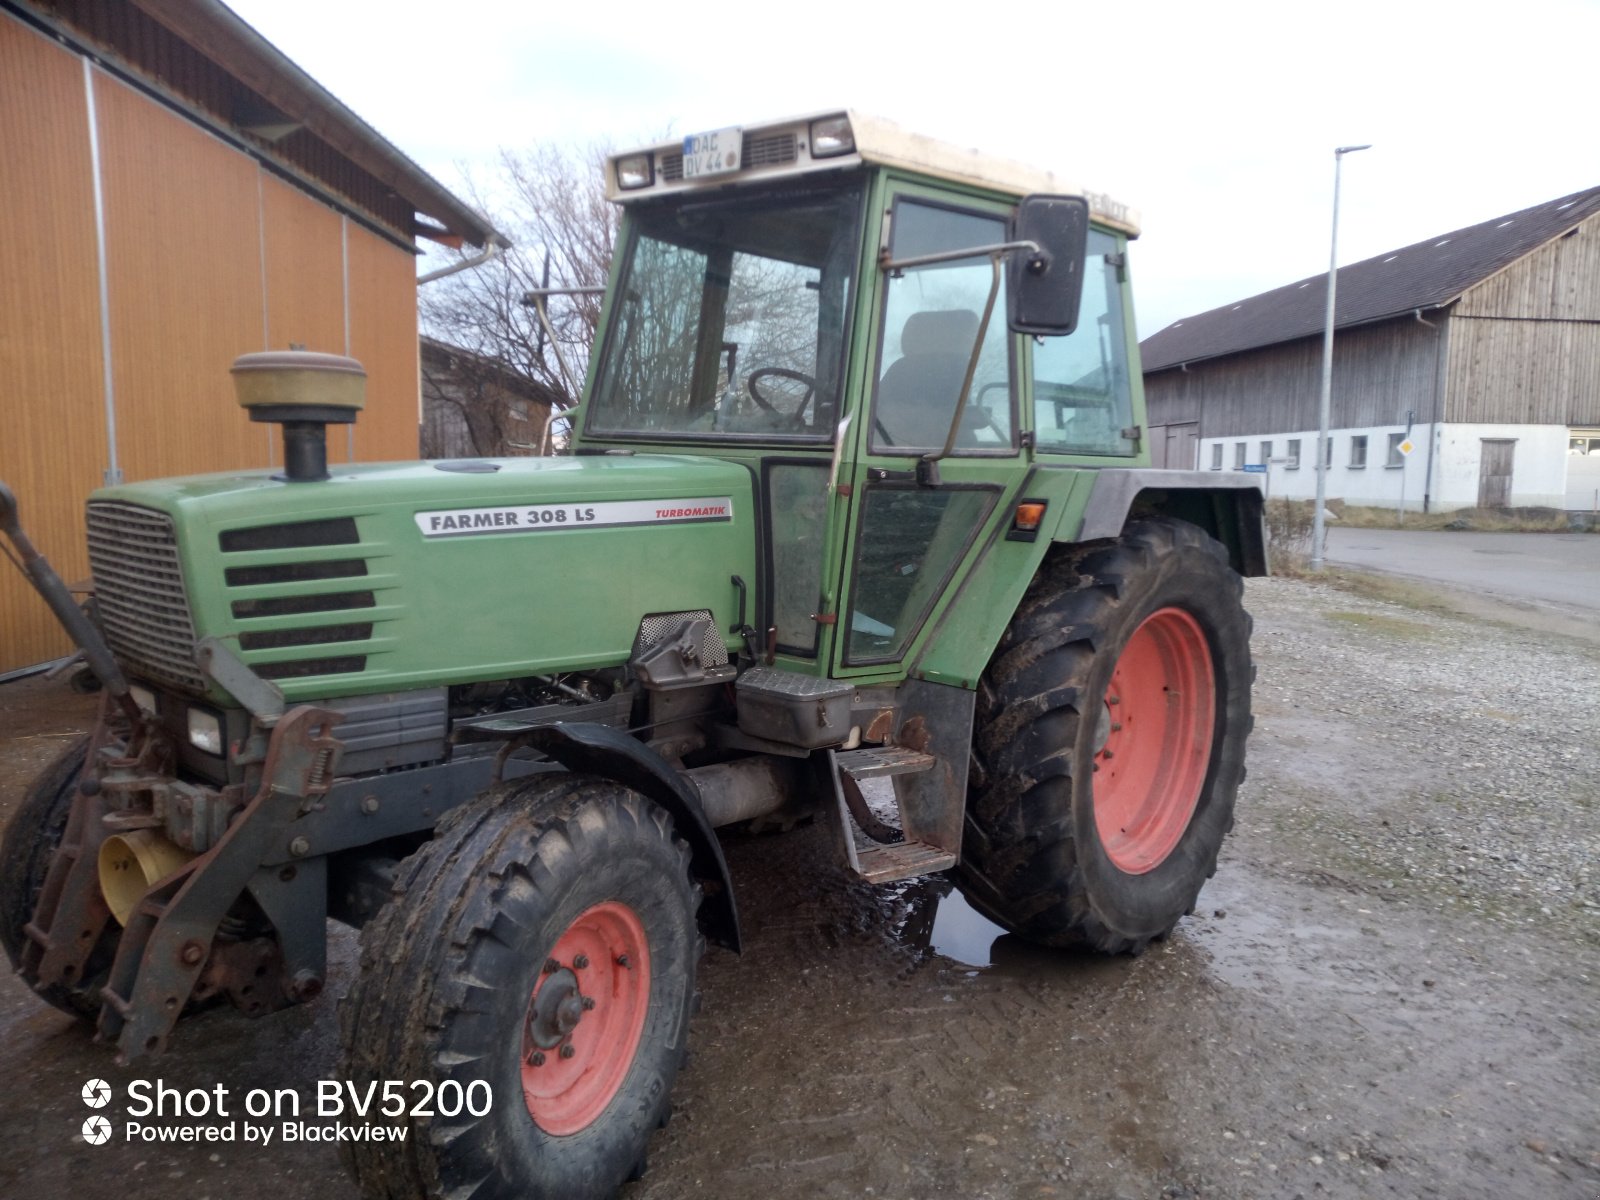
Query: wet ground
column 1325, row 1026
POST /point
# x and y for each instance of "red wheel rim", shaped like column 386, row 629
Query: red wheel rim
column 585, row 1018
column 1159, row 716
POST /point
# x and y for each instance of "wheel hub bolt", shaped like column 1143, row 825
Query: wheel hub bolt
column 622, row 961
column 581, row 961
column 567, row 1051
column 551, row 966
column 588, row 1003
column 536, row 1059
column 1116, row 727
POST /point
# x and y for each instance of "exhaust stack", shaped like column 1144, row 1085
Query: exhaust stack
column 304, row 392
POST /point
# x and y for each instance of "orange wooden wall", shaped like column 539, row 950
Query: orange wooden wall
column 209, row 256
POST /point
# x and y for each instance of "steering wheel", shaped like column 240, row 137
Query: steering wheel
column 978, row 415
column 782, row 373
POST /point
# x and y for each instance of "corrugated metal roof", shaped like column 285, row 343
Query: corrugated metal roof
column 1426, row 274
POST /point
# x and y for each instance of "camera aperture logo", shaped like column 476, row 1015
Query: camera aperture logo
column 340, row 1110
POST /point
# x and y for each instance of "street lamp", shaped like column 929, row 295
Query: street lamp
column 1318, row 530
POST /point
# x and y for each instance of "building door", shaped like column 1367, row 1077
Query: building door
column 1174, row 447
column 1494, row 473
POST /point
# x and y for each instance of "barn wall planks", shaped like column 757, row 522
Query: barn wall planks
column 1558, row 281
column 1379, row 372
column 383, row 335
column 209, row 256
column 1526, row 346
column 52, row 411
column 184, row 263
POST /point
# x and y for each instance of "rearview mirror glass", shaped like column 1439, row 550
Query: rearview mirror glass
column 1044, row 288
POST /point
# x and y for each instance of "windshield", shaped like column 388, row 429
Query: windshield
column 729, row 318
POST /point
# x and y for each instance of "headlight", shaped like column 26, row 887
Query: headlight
column 143, row 697
column 205, row 731
column 831, row 136
column 634, row 172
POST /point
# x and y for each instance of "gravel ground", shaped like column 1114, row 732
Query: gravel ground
column 1462, row 772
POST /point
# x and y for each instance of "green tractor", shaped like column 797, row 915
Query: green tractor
column 858, row 489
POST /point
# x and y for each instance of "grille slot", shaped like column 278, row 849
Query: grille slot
column 312, row 635
column 139, row 593
column 349, row 664
column 769, row 150
column 297, row 535
column 293, row 606
column 302, row 572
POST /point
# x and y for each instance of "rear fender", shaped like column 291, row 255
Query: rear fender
column 1227, row 506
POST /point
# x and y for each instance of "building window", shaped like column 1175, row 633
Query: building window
column 1216, row 456
column 1238, row 456
column 1294, row 454
column 1266, row 453
column 1396, row 459
column 1358, row 451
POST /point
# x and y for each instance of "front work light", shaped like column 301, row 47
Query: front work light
column 832, row 136
column 205, row 731
column 634, row 172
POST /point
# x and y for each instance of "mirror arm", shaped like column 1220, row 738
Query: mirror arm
column 927, row 472
column 885, row 263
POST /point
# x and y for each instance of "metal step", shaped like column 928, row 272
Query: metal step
column 884, row 864
column 872, row 762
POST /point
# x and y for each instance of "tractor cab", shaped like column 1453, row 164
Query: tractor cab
column 893, row 336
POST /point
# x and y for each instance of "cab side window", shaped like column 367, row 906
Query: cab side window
column 931, row 319
column 1082, row 395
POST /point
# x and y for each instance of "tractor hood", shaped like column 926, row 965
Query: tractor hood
column 396, row 576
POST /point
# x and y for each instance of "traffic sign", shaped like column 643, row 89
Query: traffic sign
column 1406, row 447
column 1256, row 468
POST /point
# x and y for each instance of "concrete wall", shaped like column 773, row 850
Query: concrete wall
column 1539, row 465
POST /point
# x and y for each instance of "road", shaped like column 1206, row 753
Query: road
column 1560, row 570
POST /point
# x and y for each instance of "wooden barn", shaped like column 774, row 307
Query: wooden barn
column 1479, row 349
column 180, row 193
column 476, row 407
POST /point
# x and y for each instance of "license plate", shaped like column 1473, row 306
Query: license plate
column 714, row 153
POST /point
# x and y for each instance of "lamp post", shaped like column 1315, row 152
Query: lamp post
column 1318, row 525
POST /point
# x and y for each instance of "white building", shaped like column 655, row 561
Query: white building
column 1478, row 348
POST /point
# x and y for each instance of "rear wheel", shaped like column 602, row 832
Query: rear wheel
column 1110, row 741
column 30, row 842
column 540, row 955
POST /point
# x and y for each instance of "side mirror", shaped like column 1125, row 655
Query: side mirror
column 1044, row 289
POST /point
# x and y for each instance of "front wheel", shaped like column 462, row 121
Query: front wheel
column 30, row 842
column 1110, row 741
column 539, row 955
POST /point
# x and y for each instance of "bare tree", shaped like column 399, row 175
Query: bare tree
column 551, row 202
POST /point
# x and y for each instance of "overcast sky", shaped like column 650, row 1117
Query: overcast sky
column 1217, row 121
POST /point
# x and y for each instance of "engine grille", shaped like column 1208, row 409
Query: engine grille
column 334, row 588
column 139, row 593
column 764, row 150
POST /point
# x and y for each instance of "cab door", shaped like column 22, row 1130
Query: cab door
column 912, row 539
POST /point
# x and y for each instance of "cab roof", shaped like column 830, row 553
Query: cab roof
column 775, row 149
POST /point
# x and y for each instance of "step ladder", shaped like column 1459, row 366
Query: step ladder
column 879, row 861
